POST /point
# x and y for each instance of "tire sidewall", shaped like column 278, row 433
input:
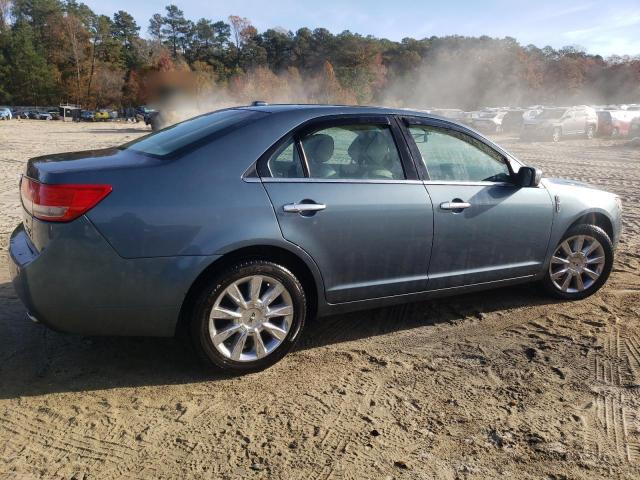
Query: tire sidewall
column 216, row 285
column 602, row 237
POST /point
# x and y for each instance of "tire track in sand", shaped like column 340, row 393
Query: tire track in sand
column 613, row 429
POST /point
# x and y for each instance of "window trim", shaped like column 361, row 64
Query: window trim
column 328, row 121
column 406, row 121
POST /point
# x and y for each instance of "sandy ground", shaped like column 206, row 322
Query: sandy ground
column 504, row 384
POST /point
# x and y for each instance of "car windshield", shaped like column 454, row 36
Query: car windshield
column 552, row 113
column 173, row 138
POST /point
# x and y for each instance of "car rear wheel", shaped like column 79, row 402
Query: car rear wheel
column 581, row 263
column 248, row 316
column 556, row 136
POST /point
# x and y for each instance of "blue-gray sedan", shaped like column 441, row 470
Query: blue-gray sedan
column 243, row 223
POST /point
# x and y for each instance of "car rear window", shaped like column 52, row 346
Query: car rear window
column 192, row 132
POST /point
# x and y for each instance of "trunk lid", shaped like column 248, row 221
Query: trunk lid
column 85, row 166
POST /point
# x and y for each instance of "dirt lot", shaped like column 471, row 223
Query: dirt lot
column 504, row 384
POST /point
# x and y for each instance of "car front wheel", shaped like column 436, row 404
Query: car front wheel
column 581, row 263
column 248, row 316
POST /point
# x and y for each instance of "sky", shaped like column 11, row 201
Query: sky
column 601, row 27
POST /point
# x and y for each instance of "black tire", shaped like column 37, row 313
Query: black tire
column 601, row 236
column 215, row 286
column 556, row 135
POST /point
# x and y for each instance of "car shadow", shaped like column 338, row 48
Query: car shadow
column 35, row 360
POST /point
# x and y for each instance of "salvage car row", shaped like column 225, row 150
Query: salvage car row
column 539, row 122
column 73, row 113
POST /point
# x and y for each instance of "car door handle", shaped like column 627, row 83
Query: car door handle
column 303, row 207
column 454, row 205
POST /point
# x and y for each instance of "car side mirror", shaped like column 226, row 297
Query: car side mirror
column 528, row 177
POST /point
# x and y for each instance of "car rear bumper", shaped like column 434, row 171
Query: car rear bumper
column 79, row 284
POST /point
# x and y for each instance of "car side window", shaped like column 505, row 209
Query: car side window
column 361, row 151
column 286, row 162
column 450, row 155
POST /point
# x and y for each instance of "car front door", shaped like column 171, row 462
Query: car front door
column 346, row 191
column 485, row 227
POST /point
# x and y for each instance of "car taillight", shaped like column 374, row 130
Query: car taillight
column 60, row 203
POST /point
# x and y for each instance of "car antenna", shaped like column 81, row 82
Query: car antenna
column 259, row 103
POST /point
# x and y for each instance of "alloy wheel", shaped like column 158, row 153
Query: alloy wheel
column 577, row 264
column 251, row 318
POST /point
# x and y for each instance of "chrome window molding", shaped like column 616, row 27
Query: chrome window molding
column 468, row 183
column 338, row 180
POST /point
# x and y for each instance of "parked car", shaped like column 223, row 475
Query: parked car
column 242, row 224
column 42, row 116
column 634, row 128
column 101, row 115
column 55, row 114
column 87, row 116
column 616, row 123
column 621, row 122
column 154, row 119
column 532, row 112
column 604, row 126
column 513, row 120
column 489, row 121
column 557, row 123
column 5, row 113
column 143, row 112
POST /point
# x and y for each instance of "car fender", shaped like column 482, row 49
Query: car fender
column 283, row 244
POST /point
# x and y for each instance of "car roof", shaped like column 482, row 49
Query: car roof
column 320, row 109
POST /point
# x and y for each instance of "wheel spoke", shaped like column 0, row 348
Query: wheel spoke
column 579, row 282
column 254, row 288
column 261, row 351
column 238, row 346
column 578, row 244
column 224, row 313
column 559, row 273
column 271, row 294
column 596, row 260
column 566, row 248
column 591, row 274
column 560, row 260
column 223, row 335
column 566, row 282
column 280, row 311
column 594, row 245
column 277, row 332
column 236, row 295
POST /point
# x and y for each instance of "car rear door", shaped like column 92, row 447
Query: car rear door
column 485, row 227
column 346, row 191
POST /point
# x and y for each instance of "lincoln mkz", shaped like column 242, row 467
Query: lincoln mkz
column 240, row 225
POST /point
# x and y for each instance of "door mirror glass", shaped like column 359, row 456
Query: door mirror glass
column 528, row 177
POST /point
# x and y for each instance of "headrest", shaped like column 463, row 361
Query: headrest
column 318, row 147
column 370, row 147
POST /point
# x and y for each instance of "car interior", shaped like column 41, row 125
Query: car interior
column 345, row 152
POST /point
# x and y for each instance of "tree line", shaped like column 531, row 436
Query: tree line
column 55, row 51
